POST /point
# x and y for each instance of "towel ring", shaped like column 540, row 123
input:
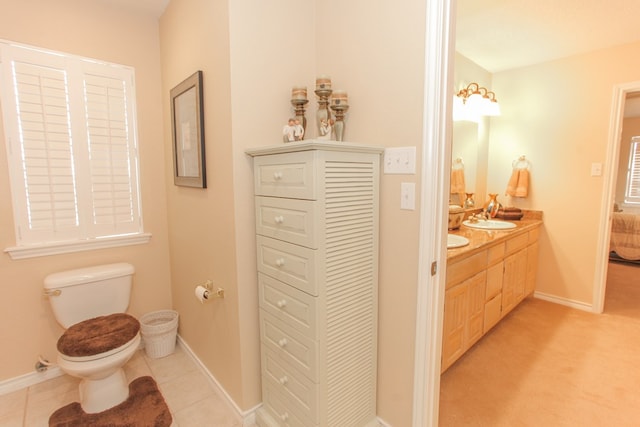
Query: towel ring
column 521, row 163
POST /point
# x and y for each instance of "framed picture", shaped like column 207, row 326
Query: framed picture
column 187, row 131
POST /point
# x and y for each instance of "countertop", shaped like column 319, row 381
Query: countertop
column 482, row 239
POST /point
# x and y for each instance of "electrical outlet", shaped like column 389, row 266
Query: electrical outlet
column 400, row 160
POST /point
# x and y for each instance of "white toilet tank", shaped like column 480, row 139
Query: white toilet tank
column 85, row 293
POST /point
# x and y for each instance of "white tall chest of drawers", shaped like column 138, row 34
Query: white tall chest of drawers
column 316, row 207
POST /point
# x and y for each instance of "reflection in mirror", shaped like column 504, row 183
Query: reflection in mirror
column 465, row 149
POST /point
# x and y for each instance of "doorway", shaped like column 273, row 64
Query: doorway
column 620, row 93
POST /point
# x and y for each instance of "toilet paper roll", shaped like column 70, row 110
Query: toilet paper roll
column 202, row 294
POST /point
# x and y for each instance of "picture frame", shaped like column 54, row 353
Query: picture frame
column 187, row 131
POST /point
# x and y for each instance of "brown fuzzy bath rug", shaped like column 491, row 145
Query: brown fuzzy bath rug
column 145, row 407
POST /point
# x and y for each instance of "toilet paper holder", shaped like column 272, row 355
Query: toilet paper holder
column 218, row 293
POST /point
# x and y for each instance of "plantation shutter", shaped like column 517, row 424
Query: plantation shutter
column 71, row 144
column 111, row 153
column 633, row 175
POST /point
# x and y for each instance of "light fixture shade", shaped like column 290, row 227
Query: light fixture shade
column 475, row 104
column 461, row 112
column 493, row 109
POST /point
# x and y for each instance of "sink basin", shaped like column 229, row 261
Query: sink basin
column 454, row 241
column 490, row 224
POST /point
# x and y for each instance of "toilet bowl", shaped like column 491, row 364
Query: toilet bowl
column 99, row 338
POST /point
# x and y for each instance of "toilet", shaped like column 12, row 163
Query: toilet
column 90, row 303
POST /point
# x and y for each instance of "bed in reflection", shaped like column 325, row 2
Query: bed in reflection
column 625, row 236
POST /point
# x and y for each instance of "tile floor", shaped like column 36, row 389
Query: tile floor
column 190, row 396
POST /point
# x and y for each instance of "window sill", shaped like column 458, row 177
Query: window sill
column 32, row 251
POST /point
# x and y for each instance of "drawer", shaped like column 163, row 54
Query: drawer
column 466, row 268
column 296, row 308
column 516, row 243
column 494, row 280
column 492, row 312
column 289, row 263
column 285, row 175
column 278, row 407
column 533, row 235
column 300, row 391
column 291, row 220
column 298, row 350
column 495, row 254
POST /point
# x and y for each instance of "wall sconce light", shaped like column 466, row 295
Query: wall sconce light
column 473, row 102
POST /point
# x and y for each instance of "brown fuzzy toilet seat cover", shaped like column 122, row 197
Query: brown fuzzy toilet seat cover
column 98, row 335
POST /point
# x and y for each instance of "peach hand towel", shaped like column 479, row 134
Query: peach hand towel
column 518, row 185
column 457, row 181
column 522, row 189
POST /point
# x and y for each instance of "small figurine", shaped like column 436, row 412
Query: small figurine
column 325, row 128
column 298, row 130
column 289, row 131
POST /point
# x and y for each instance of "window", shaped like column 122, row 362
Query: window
column 70, row 133
column 632, row 192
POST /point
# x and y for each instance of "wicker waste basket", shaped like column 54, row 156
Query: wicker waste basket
column 159, row 332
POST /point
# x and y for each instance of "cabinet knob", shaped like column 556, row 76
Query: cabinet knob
column 282, row 303
column 280, row 262
column 279, row 219
column 277, row 176
column 284, row 417
column 282, row 342
column 284, row 380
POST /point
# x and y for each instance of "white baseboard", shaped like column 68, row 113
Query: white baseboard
column 27, row 380
column 564, row 301
column 248, row 417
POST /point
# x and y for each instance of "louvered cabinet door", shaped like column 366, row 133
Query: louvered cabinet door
column 317, row 254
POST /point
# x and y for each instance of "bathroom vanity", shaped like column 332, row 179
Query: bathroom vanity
column 485, row 280
column 316, row 209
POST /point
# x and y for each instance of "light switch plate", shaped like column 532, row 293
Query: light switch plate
column 400, row 160
column 408, row 196
column 596, row 169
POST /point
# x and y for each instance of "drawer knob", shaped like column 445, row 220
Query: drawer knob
column 284, row 417
column 282, row 342
column 282, row 303
column 280, row 262
column 284, row 380
column 279, row 219
column 277, row 176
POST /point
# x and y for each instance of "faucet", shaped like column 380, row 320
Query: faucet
column 484, row 215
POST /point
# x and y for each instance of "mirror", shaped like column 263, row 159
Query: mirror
column 470, row 139
column 464, row 154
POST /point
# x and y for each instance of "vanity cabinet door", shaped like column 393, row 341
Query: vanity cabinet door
column 513, row 282
column 463, row 317
column 455, row 317
column 475, row 320
column 532, row 268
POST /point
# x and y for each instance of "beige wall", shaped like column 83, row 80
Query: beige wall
column 557, row 114
column 103, row 32
column 265, row 55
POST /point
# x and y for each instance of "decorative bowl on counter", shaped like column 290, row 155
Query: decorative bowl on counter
column 456, row 215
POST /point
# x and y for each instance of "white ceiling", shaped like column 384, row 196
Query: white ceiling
column 503, row 34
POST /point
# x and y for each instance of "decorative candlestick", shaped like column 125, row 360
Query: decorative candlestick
column 339, row 105
column 323, row 90
column 299, row 100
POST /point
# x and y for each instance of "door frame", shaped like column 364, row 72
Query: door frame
column 436, row 160
column 608, row 194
